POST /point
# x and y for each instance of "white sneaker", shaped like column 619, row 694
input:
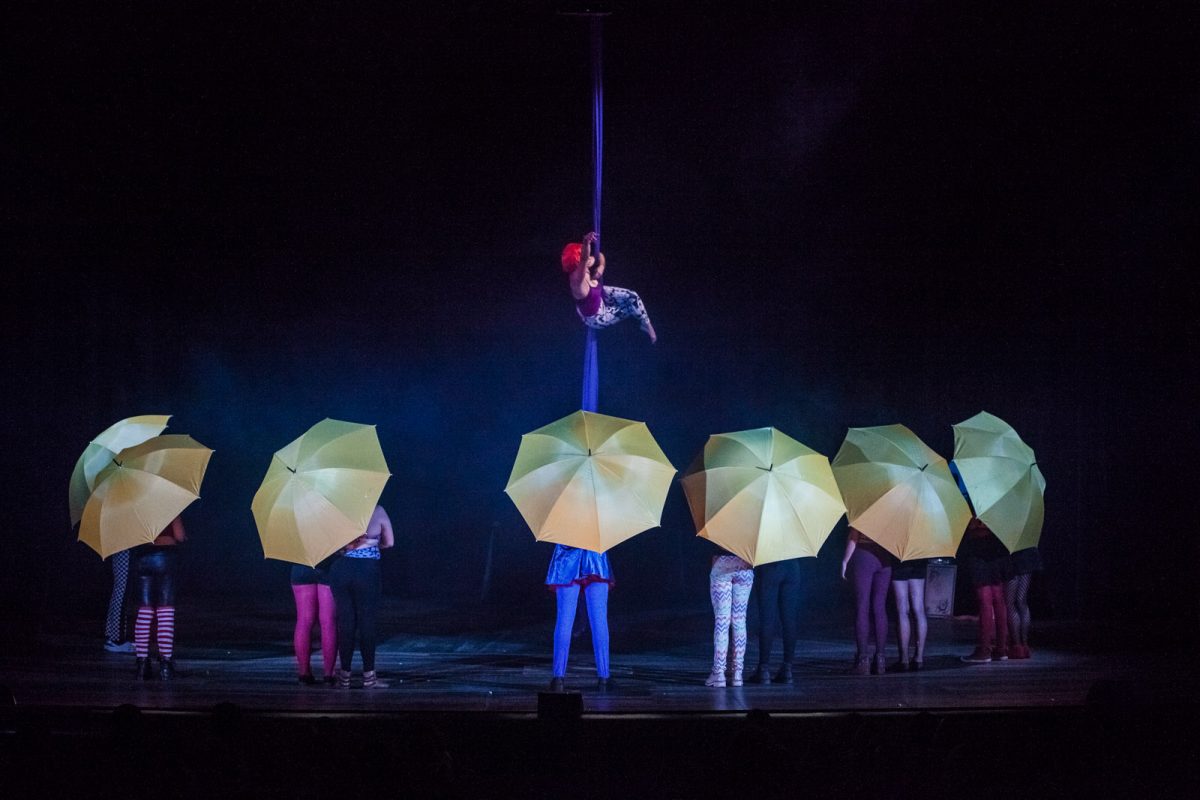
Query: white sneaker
column 118, row 647
column 716, row 680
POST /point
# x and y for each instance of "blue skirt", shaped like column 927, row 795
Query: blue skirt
column 570, row 565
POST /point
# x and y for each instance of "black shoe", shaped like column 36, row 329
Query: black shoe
column 784, row 675
column 606, row 684
column 761, row 675
column 329, row 680
column 166, row 669
column 307, row 680
column 142, row 670
column 557, row 685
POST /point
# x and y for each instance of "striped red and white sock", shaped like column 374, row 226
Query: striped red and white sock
column 141, row 631
column 166, row 631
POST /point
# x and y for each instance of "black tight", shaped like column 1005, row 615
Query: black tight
column 356, row 591
column 1016, row 592
column 778, row 588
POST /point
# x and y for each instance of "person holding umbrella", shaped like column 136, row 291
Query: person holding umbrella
column 572, row 570
column 729, row 583
column 355, row 580
column 989, row 567
column 1016, row 594
column 314, row 601
column 154, row 568
column 868, row 567
column 908, row 587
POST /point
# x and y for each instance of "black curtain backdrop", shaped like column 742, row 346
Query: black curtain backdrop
column 252, row 217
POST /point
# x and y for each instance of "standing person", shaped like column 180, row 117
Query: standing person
column 908, row 587
column 989, row 566
column 314, row 601
column 1016, row 594
column 572, row 570
column 600, row 306
column 356, row 584
column 777, row 586
column 729, row 584
column 868, row 566
column 116, row 623
column 154, row 568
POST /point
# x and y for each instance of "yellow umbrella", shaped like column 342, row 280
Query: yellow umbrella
column 103, row 449
column 1002, row 479
column 763, row 496
column 141, row 490
column 319, row 492
column 900, row 493
column 590, row 480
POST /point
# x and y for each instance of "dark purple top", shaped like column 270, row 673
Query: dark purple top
column 590, row 306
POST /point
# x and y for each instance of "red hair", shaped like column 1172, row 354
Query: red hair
column 572, row 255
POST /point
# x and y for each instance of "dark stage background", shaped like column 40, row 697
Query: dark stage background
column 254, row 216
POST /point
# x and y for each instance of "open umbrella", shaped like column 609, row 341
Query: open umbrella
column 141, row 490
column 103, row 449
column 1002, row 478
column 319, row 492
column 900, row 493
column 590, row 480
column 763, row 496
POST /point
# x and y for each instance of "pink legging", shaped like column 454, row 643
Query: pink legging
column 993, row 618
column 313, row 600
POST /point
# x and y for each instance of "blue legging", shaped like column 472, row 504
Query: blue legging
column 596, row 594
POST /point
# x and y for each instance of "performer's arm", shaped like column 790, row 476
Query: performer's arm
column 386, row 537
column 851, row 544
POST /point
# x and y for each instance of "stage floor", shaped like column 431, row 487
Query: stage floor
column 441, row 660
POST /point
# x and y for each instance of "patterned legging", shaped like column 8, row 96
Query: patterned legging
column 115, row 626
column 617, row 304
column 729, row 584
column 1016, row 595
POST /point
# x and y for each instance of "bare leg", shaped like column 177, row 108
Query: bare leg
column 904, row 634
column 916, row 593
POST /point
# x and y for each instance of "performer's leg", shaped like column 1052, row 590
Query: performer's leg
column 368, row 589
column 720, row 590
column 916, row 591
column 115, row 629
column 327, row 613
column 141, row 631
column 567, row 597
column 165, row 624
column 789, row 613
column 339, row 584
column 1000, row 612
column 743, row 580
column 305, row 595
column 597, row 608
column 903, row 623
column 767, row 592
column 879, row 589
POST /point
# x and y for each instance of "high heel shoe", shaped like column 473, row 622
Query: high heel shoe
column 879, row 667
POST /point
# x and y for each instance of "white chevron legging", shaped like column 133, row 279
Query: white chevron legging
column 729, row 584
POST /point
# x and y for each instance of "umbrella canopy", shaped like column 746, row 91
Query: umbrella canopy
column 1002, row 478
column 590, row 480
column 763, row 496
column 141, row 490
column 103, row 449
column 900, row 493
column 319, row 492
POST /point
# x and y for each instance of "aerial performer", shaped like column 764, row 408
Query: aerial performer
column 600, row 306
